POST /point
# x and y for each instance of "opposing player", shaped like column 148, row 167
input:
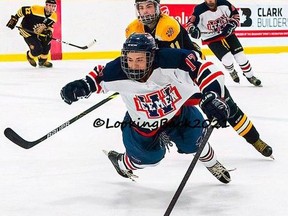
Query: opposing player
column 36, row 28
column 160, row 82
column 214, row 21
column 166, row 30
column 169, row 33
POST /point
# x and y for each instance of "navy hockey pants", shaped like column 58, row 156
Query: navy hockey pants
column 147, row 150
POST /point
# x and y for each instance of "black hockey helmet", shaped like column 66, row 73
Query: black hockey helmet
column 51, row 1
column 148, row 19
column 138, row 42
column 136, row 1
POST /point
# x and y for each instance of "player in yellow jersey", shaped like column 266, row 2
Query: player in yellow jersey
column 36, row 28
column 166, row 30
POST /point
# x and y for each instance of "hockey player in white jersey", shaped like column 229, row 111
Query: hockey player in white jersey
column 214, row 21
column 167, row 32
column 159, row 90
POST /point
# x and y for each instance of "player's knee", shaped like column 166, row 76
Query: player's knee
column 133, row 163
column 187, row 149
column 227, row 59
column 240, row 58
column 232, row 107
column 36, row 51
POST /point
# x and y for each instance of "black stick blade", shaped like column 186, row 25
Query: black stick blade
column 15, row 138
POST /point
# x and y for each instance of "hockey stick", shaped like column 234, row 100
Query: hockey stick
column 189, row 170
column 207, row 32
column 15, row 138
column 58, row 40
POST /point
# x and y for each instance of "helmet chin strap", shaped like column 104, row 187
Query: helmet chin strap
column 146, row 77
column 48, row 13
column 152, row 25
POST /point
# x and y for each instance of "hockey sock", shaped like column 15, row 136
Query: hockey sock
column 208, row 157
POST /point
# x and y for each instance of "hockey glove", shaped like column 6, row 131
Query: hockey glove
column 75, row 90
column 99, row 69
column 228, row 29
column 12, row 22
column 195, row 32
column 214, row 107
column 48, row 35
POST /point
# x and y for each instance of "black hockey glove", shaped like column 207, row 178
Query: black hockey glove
column 12, row 22
column 75, row 90
column 48, row 35
column 214, row 107
column 195, row 32
column 228, row 29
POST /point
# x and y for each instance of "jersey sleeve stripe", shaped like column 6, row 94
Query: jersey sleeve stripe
column 93, row 75
column 210, row 79
column 203, row 68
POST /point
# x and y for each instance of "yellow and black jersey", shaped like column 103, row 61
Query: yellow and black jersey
column 167, row 33
column 35, row 19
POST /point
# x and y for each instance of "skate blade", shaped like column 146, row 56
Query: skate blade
column 231, row 170
column 131, row 176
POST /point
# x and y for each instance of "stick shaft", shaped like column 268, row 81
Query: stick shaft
column 189, row 170
column 18, row 140
column 56, row 39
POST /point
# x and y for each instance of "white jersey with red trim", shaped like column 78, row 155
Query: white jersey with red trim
column 211, row 22
column 153, row 103
column 177, row 77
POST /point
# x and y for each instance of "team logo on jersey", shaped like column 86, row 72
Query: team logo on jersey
column 159, row 103
column 217, row 24
column 170, row 32
column 39, row 28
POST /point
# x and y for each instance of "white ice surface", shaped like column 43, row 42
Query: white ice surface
column 68, row 174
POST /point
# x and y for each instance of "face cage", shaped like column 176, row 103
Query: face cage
column 136, row 74
column 148, row 19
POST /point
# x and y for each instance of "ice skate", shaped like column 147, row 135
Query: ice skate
column 235, row 76
column 220, row 172
column 31, row 60
column 114, row 157
column 253, row 80
column 44, row 63
column 263, row 148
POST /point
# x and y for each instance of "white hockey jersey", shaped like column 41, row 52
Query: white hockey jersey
column 172, row 83
column 211, row 22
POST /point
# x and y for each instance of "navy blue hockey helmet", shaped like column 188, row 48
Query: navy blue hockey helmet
column 138, row 42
